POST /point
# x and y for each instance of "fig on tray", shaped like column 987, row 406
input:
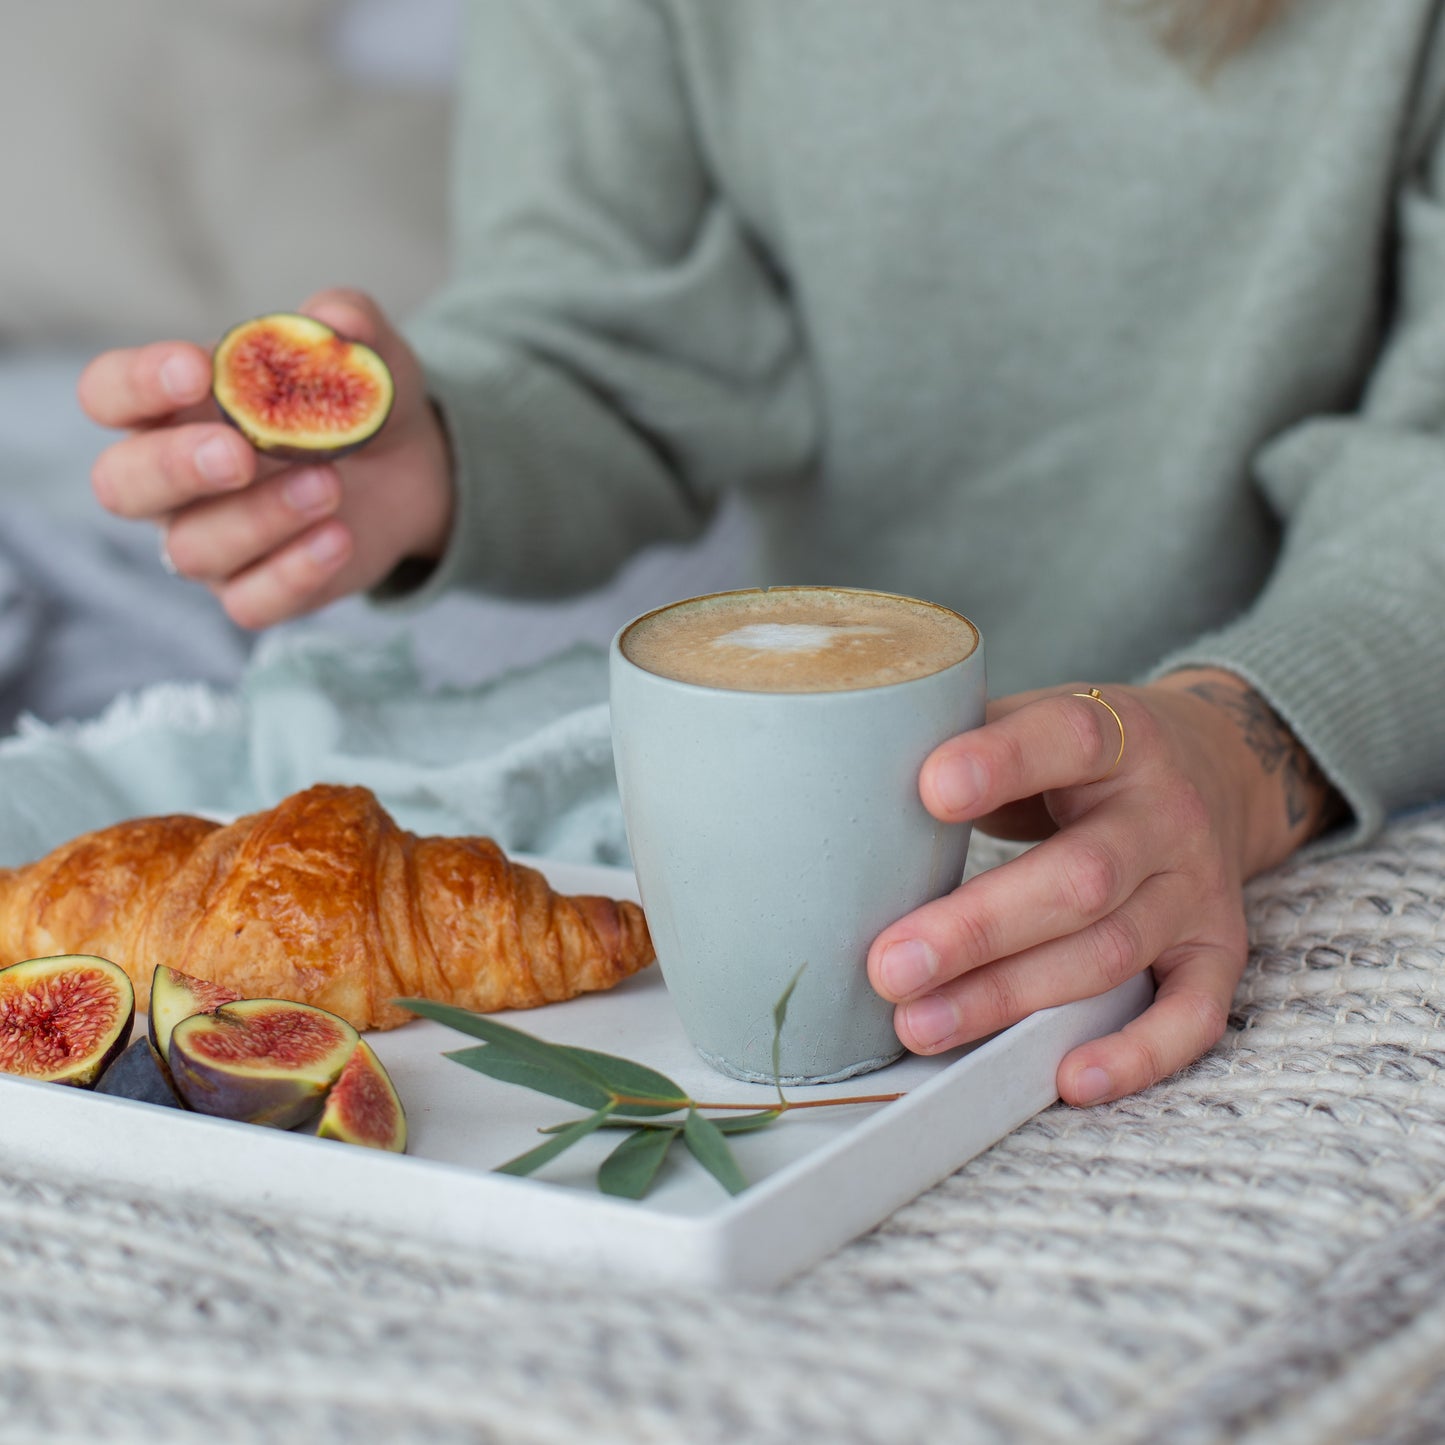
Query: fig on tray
column 140, row 1074
column 298, row 391
column 64, row 1019
column 264, row 1061
column 176, row 996
column 362, row 1107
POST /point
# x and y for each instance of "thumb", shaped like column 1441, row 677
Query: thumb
column 352, row 315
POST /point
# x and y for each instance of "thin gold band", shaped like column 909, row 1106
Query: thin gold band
column 1094, row 695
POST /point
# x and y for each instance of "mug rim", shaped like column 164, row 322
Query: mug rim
column 619, row 637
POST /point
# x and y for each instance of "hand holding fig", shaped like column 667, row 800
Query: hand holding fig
column 271, row 539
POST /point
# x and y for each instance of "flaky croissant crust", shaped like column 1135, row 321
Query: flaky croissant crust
column 325, row 900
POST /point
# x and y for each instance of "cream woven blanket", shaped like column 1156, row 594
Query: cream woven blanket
column 1253, row 1251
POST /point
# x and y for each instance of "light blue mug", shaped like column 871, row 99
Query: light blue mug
column 774, row 832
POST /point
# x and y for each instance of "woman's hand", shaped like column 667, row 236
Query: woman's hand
column 1142, row 865
column 271, row 540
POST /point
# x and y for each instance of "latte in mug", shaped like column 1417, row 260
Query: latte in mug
column 799, row 639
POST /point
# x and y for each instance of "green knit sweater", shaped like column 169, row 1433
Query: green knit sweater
column 994, row 302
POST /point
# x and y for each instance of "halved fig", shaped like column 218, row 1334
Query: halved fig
column 176, row 996
column 362, row 1107
column 139, row 1074
column 63, row 1019
column 297, row 390
column 262, row 1060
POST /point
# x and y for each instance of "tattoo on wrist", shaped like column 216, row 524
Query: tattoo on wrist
column 1308, row 795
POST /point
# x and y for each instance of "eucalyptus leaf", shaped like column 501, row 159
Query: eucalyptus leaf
column 500, row 1063
column 780, row 1009
column 636, row 1081
column 628, row 1171
column 711, row 1150
column 617, row 1122
column 725, row 1123
column 745, row 1123
column 543, row 1153
column 556, row 1057
column 780, row 1015
column 497, row 1061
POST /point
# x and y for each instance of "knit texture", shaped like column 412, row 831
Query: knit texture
column 1253, row 1252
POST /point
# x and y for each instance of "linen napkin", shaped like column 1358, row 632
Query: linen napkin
column 524, row 758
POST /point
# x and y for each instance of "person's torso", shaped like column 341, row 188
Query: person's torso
column 1058, row 289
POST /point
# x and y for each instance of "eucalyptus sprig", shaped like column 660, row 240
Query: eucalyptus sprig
column 621, row 1095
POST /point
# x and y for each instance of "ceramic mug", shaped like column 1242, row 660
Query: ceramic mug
column 779, row 831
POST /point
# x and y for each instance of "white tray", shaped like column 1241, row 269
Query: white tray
column 818, row 1177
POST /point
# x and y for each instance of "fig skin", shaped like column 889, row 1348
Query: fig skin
column 363, row 1108
column 261, row 1061
column 140, row 1074
column 64, row 1019
column 298, row 391
column 176, row 996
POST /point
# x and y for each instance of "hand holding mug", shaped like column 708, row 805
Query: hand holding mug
column 1142, row 864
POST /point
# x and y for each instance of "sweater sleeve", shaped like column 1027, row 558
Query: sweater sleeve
column 614, row 350
column 1347, row 641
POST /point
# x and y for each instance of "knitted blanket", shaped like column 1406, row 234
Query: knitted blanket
column 1252, row 1251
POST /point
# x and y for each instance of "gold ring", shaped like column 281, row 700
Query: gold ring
column 1094, row 695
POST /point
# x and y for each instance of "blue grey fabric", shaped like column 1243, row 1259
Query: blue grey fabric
column 87, row 611
column 525, row 758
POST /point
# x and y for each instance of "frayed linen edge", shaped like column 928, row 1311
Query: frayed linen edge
column 189, row 707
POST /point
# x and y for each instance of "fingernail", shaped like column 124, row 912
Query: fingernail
column 183, row 377
column 959, row 784
column 309, row 491
column 931, row 1020
column 1092, row 1085
column 327, row 545
column 216, row 462
column 907, row 966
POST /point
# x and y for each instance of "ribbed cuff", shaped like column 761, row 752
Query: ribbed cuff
column 414, row 584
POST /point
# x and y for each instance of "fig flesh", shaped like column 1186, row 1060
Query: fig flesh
column 64, row 1019
column 297, row 390
column 139, row 1074
column 176, row 996
column 261, row 1060
column 362, row 1107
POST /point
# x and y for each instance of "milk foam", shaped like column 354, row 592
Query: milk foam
column 792, row 636
column 804, row 639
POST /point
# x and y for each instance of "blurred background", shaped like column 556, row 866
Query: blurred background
column 169, row 167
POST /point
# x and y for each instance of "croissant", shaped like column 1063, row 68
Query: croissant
column 323, row 899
